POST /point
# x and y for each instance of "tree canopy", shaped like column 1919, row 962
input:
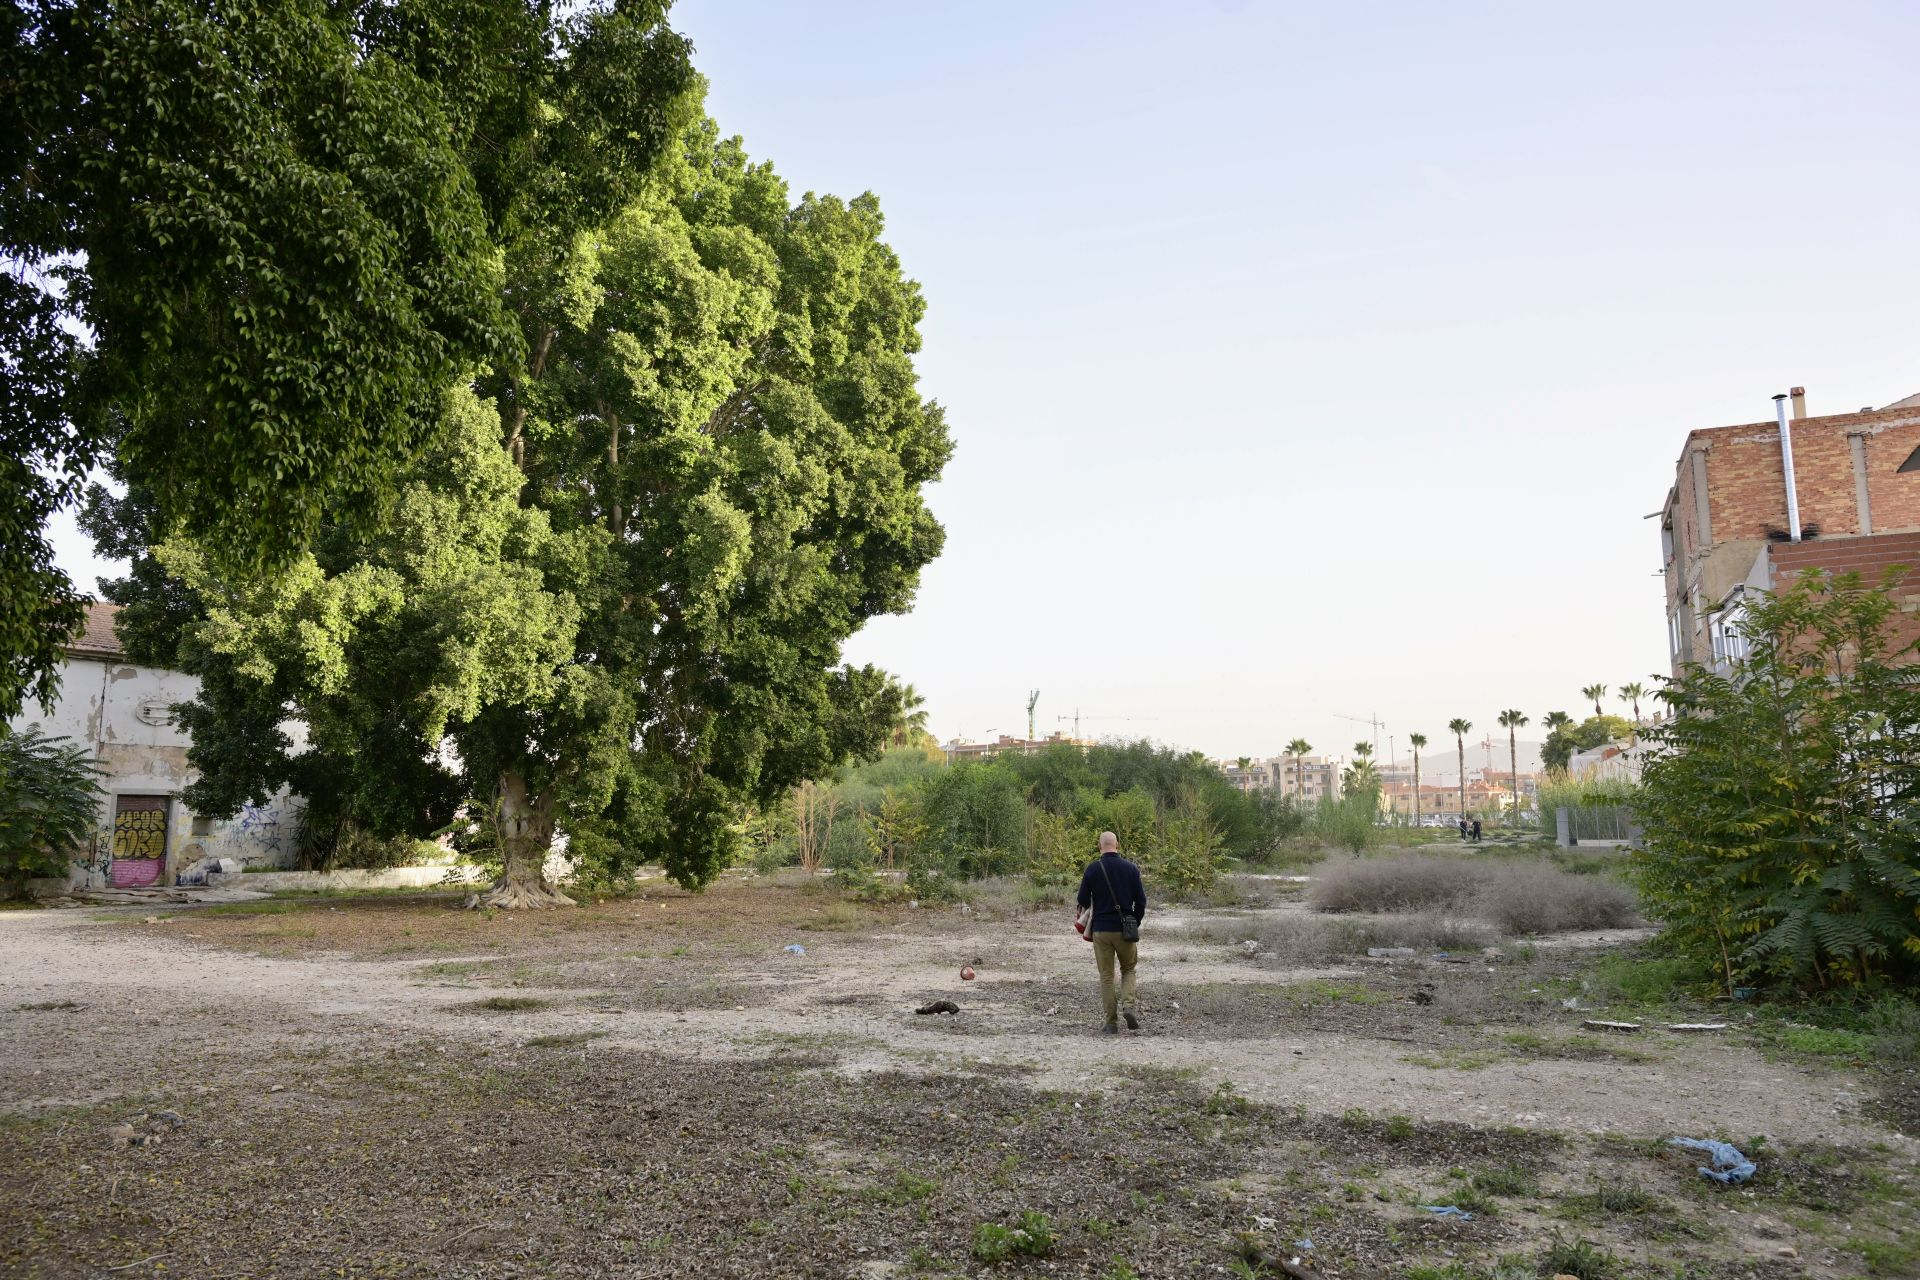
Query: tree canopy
column 1782, row 802
column 613, row 595
column 250, row 246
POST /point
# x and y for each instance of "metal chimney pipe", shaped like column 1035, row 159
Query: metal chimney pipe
column 1786, row 465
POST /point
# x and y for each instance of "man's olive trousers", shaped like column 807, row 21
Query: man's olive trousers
column 1108, row 948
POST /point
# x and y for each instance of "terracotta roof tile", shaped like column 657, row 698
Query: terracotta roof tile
column 96, row 637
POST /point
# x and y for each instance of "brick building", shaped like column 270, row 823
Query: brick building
column 1724, row 529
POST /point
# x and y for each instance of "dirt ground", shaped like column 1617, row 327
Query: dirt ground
column 655, row 1086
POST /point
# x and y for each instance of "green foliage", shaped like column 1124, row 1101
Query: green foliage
column 1186, row 856
column 281, row 229
column 1580, row 1258
column 49, row 805
column 619, row 587
column 1350, row 822
column 1780, row 809
column 976, row 820
column 1034, row 1237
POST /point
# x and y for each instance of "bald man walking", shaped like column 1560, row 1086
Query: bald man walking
column 1112, row 887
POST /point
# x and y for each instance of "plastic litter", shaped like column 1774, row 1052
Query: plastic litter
column 1303, row 1244
column 1390, row 953
column 1601, row 1024
column 794, row 949
column 1728, row 1165
column 1448, row 1211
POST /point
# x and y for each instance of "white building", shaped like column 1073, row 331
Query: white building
column 121, row 712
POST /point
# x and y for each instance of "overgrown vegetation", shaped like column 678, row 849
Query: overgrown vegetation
column 1782, row 809
column 1518, row 896
column 49, row 805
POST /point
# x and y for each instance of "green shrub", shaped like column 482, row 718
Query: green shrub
column 1782, row 804
column 49, row 805
column 1034, row 1237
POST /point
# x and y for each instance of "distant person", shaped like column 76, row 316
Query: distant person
column 1112, row 889
column 1464, row 834
column 1476, row 831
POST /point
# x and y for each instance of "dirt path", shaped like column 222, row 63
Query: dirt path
column 144, row 992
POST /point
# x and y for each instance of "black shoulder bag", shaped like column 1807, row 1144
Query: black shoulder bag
column 1129, row 924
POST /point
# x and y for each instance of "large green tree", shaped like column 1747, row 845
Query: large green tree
column 249, row 246
column 613, row 601
column 1781, row 804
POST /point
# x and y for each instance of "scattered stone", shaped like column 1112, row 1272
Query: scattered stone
column 939, row 1006
column 1422, row 997
column 121, row 1135
column 1493, row 953
column 1696, row 1026
column 1299, row 1052
column 1787, row 1251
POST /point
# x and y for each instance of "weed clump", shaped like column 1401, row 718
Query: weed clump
column 1034, row 1237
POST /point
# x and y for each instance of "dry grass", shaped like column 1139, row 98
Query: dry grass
column 1311, row 941
column 1517, row 897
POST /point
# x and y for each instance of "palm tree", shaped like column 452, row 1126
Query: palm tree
column 1363, row 749
column 1460, row 729
column 1297, row 748
column 912, row 718
column 1418, row 740
column 1556, row 720
column 1633, row 693
column 1511, row 721
column 1596, row 692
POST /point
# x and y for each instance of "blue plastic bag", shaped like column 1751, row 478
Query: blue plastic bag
column 1728, row 1165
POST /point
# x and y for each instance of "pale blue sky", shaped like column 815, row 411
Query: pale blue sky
column 1309, row 359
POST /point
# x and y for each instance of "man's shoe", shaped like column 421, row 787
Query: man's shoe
column 1111, row 1029
column 1133, row 1020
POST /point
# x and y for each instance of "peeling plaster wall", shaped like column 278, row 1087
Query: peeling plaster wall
column 121, row 713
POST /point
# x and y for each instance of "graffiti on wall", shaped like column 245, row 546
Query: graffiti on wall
column 260, row 823
column 95, row 864
column 139, row 841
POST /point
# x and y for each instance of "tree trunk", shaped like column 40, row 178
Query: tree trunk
column 1460, row 744
column 1513, row 762
column 1417, row 814
column 526, row 834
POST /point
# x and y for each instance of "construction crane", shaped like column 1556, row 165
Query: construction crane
column 1374, row 720
column 1076, row 717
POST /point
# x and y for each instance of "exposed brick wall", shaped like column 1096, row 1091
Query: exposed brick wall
column 1870, row 558
column 1747, row 501
column 1747, row 494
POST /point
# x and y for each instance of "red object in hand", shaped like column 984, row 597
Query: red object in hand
column 1083, row 924
column 966, row 973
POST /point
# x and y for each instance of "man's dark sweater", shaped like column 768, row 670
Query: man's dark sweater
column 1128, row 889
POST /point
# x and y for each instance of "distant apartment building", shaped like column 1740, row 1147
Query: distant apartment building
column 1310, row 779
column 1725, row 530
column 1439, row 802
column 958, row 751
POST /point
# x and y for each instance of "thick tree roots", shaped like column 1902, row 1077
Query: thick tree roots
column 525, row 896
